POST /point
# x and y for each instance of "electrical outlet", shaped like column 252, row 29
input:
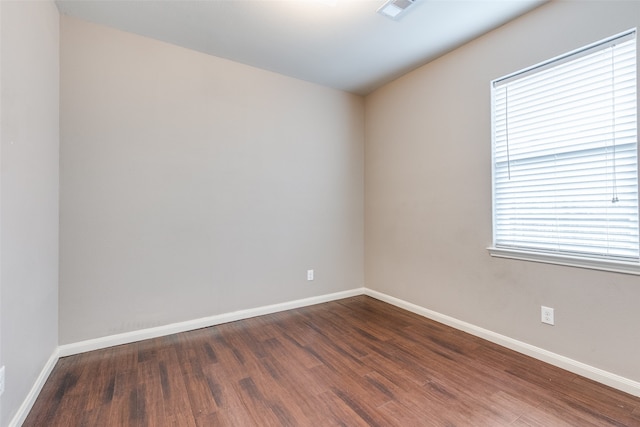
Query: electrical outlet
column 546, row 314
column 309, row 274
column 1, row 380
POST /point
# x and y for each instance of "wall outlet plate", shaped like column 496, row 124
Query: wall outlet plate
column 546, row 315
column 309, row 274
column 1, row 380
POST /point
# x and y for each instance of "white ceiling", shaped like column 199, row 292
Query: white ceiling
column 345, row 45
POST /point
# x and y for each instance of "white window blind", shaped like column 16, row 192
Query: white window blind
column 565, row 156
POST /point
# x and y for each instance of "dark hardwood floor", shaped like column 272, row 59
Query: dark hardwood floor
column 353, row 362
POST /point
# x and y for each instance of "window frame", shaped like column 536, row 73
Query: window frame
column 564, row 259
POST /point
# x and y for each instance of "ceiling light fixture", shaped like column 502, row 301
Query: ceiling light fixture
column 326, row 2
column 395, row 9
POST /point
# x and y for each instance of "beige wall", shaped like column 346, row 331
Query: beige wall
column 193, row 186
column 428, row 198
column 29, row 195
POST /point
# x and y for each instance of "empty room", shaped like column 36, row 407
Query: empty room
column 319, row 213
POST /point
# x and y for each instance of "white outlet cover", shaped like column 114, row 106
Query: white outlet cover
column 309, row 274
column 546, row 315
column 1, row 380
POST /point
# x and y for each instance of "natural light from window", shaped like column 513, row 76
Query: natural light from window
column 565, row 159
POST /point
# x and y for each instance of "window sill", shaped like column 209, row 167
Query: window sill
column 591, row 263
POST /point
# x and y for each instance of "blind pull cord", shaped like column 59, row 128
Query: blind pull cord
column 614, row 196
column 506, row 120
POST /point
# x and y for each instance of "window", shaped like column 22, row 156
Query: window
column 565, row 159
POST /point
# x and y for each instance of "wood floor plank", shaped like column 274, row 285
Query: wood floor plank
column 150, row 404
column 353, row 362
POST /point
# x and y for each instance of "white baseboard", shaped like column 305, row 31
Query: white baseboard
column 613, row 380
column 28, row 402
column 189, row 325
